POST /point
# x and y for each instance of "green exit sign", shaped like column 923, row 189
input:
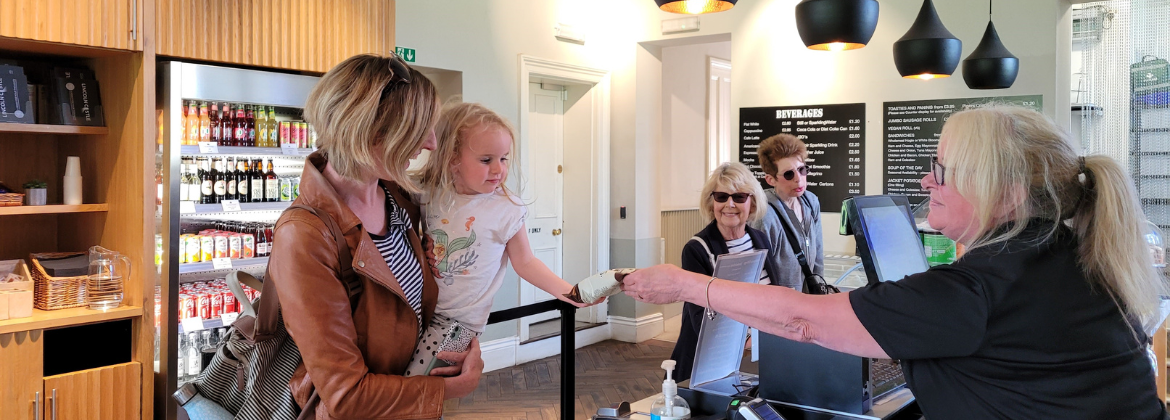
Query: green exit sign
column 406, row 53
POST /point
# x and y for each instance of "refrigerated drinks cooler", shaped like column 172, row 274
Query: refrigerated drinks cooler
column 231, row 146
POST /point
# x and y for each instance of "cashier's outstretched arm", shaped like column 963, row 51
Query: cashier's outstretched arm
column 824, row 320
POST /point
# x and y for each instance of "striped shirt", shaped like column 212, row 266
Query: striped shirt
column 400, row 256
column 736, row 246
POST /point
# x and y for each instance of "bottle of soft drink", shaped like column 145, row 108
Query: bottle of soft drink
column 194, row 365
column 181, row 368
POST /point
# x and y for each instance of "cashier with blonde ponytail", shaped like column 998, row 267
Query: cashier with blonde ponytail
column 1045, row 317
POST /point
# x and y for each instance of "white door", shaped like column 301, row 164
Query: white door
column 546, row 119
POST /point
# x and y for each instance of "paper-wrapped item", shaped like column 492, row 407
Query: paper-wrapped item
column 597, row 286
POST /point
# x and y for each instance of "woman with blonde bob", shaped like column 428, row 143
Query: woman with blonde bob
column 731, row 198
column 356, row 305
column 1045, row 316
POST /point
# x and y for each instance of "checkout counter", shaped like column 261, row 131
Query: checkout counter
column 802, row 381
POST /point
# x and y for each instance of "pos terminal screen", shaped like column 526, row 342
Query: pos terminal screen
column 893, row 242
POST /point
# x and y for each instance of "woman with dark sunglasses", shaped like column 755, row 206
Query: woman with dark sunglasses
column 731, row 198
column 790, row 207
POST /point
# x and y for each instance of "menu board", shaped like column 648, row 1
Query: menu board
column 834, row 135
column 911, row 133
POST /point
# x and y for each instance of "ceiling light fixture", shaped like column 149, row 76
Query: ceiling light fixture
column 991, row 65
column 695, row 7
column 928, row 50
column 836, row 25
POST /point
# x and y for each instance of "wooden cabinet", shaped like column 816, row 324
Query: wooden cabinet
column 107, row 393
column 114, row 24
column 304, row 35
column 21, row 377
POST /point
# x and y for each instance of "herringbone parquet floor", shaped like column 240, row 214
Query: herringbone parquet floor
column 606, row 373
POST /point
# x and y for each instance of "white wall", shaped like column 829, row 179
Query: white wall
column 771, row 67
column 684, row 122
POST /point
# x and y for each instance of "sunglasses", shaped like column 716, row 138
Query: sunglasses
column 789, row 174
column 738, row 198
column 401, row 74
column 937, row 170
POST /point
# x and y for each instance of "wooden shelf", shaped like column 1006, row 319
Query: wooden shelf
column 41, row 320
column 52, row 129
column 53, row 209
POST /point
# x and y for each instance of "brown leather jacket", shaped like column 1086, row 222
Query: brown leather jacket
column 352, row 364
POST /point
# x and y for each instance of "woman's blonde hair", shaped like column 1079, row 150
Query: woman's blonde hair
column 732, row 177
column 365, row 117
column 1014, row 161
column 457, row 121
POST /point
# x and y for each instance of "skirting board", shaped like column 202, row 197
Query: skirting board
column 508, row 352
column 636, row 330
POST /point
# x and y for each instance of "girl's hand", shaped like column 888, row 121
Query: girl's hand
column 429, row 249
column 461, row 378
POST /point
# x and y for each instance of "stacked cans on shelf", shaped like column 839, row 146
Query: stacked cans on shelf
column 227, row 239
column 210, row 299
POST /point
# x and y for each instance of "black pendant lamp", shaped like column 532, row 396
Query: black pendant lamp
column 928, row 50
column 991, row 65
column 836, row 25
column 694, row 7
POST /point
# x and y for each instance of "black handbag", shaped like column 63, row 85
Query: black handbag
column 814, row 284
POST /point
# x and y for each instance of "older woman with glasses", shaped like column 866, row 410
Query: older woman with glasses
column 1047, row 315
column 731, row 198
column 790, row 207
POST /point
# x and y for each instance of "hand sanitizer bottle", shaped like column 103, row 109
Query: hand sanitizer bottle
column 670, row 406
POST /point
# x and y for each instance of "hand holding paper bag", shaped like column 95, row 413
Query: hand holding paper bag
column 599, row 286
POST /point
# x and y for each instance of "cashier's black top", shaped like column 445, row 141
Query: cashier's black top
column 1013, row 331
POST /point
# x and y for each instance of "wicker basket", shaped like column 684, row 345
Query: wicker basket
column 56, row 292
column 11, row 199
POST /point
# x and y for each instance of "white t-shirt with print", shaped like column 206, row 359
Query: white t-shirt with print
column 470, row 237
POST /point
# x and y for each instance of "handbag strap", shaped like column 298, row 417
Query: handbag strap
column 268, row 314
column 790, row 233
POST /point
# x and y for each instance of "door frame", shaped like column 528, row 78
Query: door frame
column 599, row 82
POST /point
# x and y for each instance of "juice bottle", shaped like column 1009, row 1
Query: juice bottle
column 204, row 123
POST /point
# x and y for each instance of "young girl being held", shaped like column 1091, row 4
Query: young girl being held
column 476, row 226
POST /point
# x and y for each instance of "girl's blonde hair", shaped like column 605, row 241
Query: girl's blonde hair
column 1015, row 161
column 457, row 121
column 732, row 177
column 368, row 121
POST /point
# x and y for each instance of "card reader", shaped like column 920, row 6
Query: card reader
column 756, row 409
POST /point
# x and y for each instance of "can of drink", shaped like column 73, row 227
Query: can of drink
column 186, row 306
column 285, row 132
column 312, row 137
column 206, row 247
column 296, row 187
column 192, row 248
column 221, row 246
column 183, row 249
column 285, row 189
column 216, row 303
column 247, row 245
column 203, row 304
column 229, row 302
column 235, row 246
column 303, row 134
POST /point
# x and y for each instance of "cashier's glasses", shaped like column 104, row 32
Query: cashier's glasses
column 937, row 170
column 738, row 198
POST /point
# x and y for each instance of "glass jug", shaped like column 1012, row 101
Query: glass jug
column 105, row 285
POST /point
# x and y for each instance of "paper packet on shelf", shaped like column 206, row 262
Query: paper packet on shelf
column 597, row 286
